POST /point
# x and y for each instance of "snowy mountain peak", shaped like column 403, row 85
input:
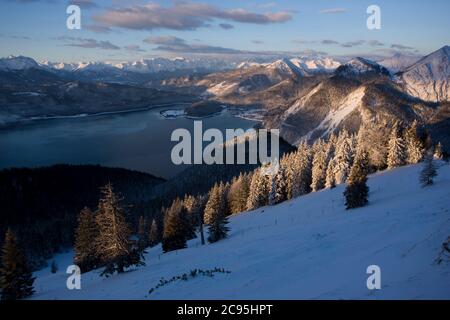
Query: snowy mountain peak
column 399, row 61
column 429, row 78
column 360, row 66
column 284, row 66
column 316, row 64
column 17, row 63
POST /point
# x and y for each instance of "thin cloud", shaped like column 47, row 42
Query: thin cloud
column 226, row 26
column 181, row 16
column 400, row 47
column 257, row 41
column 88, row 43
column 375, row 43
column 97, row 28
column 352, row 44
column 178, row 45
column 133, row 48
column 333, row 11
column 328, row 42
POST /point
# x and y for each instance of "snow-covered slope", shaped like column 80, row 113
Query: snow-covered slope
column 429, row 78
column 399, row 62
column 316, row 64
column 17, row 63
column 360, row 66
column 307, row 248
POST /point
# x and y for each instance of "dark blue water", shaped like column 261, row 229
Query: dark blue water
column 138, row 141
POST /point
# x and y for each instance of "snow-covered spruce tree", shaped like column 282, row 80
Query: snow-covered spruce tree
column 428, row 172
column 374, row 138
column 86, row 256
column 414, row 147
column 154, row 237
column 143, row 236
column 301, row 167
column 114, row 246
column 319, row 165
column 16, row 279
column 438, row 154
column 216, row 213
column 194, row 207
column 214, row 203
column 174, row 235
column 357, row 192
column 238, row 194
column 343, row 158
column 330, row 181
column 396, row 148
column 259, row 190
column 278, row 192
column 286, row 164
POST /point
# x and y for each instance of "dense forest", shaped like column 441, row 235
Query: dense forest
column 42, row 205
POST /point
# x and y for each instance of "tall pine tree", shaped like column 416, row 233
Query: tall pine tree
column 216, row 214
column 16, row 279
column 396, row 148
column 414, row 147
column 154, row 237
column 174, row 235
column 259, row 190
column 319, row 165
column 278, row 192
column 428, row 172
column 357, row 191
column 85, row 241
column 143, row 237
column 114, row 245
column 301, row 171
column 343, row 158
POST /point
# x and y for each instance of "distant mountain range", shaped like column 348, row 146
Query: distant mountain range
column 305, row 97
column 308, row 99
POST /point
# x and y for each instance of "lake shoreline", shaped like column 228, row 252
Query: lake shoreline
column 5, row 125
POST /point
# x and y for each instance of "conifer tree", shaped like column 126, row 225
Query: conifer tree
column 301, row 168
column 86, row 256
column 330, row 181
column 216, row 213
column 217, row 201
column 396, row 148
column 154, row 238
column 286, row 164
column 174, row 236
column 428, row 172
column 414, row 147
column 319, row 165
column 278, row 192
column 238, row 194
column 16, row 279
column 114, row 246
column 344, row 157
column 259, row 190
column 143, row 236
column 191, row 206
column 357, row 191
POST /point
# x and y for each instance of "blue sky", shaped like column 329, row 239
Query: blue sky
column 129, row 30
